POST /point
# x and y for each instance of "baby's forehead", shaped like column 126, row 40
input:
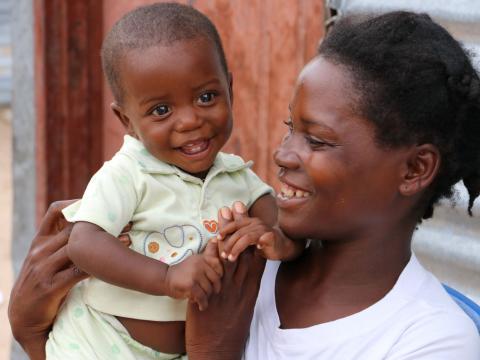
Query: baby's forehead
column 198, row 50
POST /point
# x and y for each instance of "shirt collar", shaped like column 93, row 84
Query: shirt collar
column 151, row 165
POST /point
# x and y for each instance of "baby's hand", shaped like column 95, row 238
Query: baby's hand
column 196, row 277
column 244, row 231
column 238, row 231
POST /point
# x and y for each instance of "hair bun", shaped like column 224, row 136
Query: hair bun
column 472, row 183
column 465, row 87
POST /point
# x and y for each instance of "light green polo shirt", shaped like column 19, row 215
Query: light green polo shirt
column 173, row 214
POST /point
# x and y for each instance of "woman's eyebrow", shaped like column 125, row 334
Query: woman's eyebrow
column 317, row 124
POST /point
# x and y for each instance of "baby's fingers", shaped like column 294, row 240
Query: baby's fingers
column 214, row 279
column 229, row 228
column 198, row 296
column 266, row 240
column 240, row 245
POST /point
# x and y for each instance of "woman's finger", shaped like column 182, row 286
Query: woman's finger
column 127, row 228
column 125, row 239
column 64, row 280
column 51, row 218
column 51, row 243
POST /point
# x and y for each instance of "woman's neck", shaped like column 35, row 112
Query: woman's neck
column 341, row 278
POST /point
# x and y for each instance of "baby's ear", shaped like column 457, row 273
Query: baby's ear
column 120, row 114
column 422, row 167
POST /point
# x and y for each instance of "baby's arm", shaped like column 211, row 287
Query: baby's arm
column 100, row 254
column 259, row 229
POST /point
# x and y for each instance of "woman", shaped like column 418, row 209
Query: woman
column 384, row 121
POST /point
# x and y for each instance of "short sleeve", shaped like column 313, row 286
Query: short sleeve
column 443, row 336
column 256, row 186
column 109, row 201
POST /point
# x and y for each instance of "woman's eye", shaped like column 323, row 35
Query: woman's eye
column 316, row 143
column 206, row 98
column 161, row 110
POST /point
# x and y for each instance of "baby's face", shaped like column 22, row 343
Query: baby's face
column 177, row 101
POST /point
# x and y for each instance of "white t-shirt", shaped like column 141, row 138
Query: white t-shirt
column 417, row 320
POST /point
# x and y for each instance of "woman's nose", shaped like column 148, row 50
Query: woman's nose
column 285, row 156
column 187, row 120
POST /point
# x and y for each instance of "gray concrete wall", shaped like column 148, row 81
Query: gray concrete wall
column 23, row 113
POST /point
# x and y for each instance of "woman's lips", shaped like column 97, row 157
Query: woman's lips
column 288, row 192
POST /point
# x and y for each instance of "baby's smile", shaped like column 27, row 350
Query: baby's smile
column 195, row 147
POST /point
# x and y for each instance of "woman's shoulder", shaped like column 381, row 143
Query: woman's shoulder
column 431, row 322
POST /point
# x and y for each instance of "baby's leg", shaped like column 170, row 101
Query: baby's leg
column 80, row 333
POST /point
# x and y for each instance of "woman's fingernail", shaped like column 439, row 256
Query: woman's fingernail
column 239, row 207
column 226, row 213
column 224, row 254
column 219, row 237
column 231, row 257
column 259, row 246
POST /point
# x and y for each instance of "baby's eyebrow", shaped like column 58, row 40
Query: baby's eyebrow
column 151, row 99
column 211, row 81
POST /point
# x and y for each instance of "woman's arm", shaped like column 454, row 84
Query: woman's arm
column 44, row 280
column 220, row 332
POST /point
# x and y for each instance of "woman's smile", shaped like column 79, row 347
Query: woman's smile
column 290, row 195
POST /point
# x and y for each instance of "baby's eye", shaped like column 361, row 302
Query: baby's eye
column 206, row 98
column 161, row 110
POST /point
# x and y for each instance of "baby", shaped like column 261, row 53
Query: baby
column 167, row 71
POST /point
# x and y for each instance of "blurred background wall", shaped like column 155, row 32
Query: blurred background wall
column 62, row 129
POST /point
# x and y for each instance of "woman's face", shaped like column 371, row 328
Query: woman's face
column 335, row 181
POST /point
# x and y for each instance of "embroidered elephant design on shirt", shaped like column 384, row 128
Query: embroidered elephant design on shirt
column 172, row 245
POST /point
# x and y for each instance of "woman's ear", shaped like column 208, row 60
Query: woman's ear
column 421, row 169
column 120, row 114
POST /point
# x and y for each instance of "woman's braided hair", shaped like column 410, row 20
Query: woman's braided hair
column 417, row 85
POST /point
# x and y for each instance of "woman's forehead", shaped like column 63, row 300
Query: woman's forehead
column 324, row 86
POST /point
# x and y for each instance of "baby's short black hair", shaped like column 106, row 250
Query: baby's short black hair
column 157, row 24
column 417, row 85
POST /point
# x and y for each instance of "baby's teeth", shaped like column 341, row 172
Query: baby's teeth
column 290, row 192
column 299, row 193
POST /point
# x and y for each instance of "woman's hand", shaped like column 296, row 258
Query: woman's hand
column 44, row 280
column 220, row 331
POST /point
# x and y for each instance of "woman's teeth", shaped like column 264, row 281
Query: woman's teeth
column 288, row 192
